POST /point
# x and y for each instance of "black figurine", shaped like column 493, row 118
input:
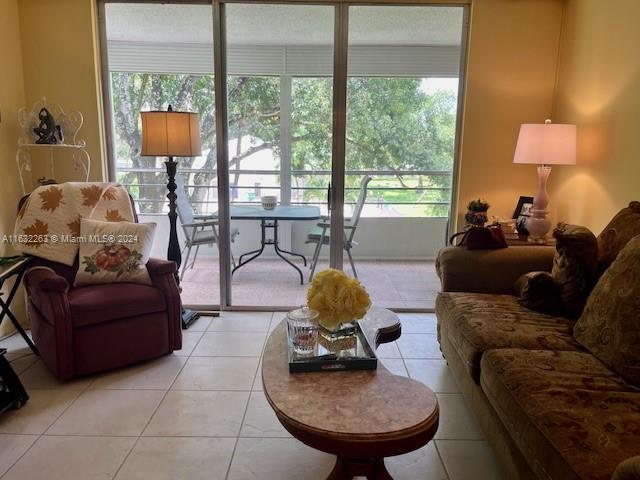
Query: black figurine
column 46, row 131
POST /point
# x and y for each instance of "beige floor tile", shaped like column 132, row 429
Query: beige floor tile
column 241, row 322
column 16, row 345
column 200, row 325
column 108, row 412
column 395, row 366
column 435, row 374
column 423, row 464
column 178, row 458
column 22, row 362
column 40, row 411
column 278, row 459
column 71, row 458
column 189, row 341
column 388, row 350
column 457, row 422
column 419, row 323
column 230, row 344
column 257, row 382
column 417, row 345
column 469, row 460
column 12, row 447
column 206, row 414
column 217, row 373
column 260, row 419
column 156, row 374
column 38, row 376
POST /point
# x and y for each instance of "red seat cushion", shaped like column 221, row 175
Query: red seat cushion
column 103, row 303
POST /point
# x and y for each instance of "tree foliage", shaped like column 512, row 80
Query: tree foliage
column 392, row 125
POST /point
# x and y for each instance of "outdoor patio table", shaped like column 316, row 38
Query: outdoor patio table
column 269, row 219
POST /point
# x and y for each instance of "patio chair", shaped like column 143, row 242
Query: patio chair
column 198, row 229
column 320, row 233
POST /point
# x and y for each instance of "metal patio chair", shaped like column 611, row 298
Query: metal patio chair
column 320, row 233
column 198, row 229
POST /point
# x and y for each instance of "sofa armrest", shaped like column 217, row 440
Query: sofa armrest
column 490, row 271
column 628, row 470
column 163, row 277
column 47, row 291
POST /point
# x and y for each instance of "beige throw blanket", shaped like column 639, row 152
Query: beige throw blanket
column 48, row 224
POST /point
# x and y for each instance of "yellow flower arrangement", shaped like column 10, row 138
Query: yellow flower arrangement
column 337, row 298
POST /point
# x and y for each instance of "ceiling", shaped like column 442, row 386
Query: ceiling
column 260, row 24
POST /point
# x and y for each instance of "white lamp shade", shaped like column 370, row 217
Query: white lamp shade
column 546, row 144
column 170, row 134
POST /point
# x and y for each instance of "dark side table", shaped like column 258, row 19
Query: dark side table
column 13, row 267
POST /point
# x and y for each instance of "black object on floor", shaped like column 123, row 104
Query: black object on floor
column 12, row 393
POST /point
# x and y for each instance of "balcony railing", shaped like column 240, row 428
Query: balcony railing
column 433, row 190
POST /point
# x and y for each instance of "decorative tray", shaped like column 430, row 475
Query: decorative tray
column 351, row 352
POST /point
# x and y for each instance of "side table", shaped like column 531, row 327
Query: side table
column 13, row 267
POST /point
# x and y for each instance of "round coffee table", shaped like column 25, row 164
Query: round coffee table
column 360, row 416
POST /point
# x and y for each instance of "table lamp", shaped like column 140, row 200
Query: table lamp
column 172, row 134
column 544, row 144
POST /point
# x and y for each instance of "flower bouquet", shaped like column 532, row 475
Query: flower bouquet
column 339, row 301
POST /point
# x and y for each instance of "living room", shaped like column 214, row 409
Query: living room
column 395, row 124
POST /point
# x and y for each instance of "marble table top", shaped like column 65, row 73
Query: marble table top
column 349, row 407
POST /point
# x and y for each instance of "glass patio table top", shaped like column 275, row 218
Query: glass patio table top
column 281, row 212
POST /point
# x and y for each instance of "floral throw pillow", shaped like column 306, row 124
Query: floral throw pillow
column 610, row 324
column 112, row 252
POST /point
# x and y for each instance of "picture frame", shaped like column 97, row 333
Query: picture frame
column 522, row 213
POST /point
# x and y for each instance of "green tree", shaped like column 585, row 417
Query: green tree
column 393, row 125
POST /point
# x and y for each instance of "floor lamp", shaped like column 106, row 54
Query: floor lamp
column 172, row 134
column 544, row 144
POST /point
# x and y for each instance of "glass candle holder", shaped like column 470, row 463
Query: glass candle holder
column 303, row 330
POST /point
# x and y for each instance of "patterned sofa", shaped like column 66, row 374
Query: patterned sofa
column 550, row 409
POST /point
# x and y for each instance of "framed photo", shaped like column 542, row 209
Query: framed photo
column 521, row 213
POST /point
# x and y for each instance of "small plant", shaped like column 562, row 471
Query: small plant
column 478, row 205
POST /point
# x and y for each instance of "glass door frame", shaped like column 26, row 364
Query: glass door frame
column 338, row 158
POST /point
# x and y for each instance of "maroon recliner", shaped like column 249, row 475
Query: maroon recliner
column 89, row 329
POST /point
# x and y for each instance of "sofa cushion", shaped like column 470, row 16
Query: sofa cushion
column 575, row 266
column 610, row 324
column 570, row 415
column 622, row 228
column 103, row 303
column 477, row 322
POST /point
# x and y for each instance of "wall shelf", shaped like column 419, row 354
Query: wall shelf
column 70, row 124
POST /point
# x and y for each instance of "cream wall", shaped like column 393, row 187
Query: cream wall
column 61, row 63
column 599, row 90
column 11, row 99
column 511, row 71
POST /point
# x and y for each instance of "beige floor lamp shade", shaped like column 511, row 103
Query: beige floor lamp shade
column 170, row 134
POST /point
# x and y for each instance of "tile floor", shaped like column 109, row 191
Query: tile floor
column 201, row 414
column 271, row 282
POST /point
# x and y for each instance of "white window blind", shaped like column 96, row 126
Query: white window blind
column 370, row 60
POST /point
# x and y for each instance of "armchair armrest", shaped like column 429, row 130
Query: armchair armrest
column 158, row 267
column 490, row 271
column 208, row 223
column 163, row 276
column 50, row 316
column 46, row 280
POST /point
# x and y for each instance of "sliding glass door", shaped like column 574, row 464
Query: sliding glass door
column 402, row 89
column 343, row 116
column 279, row 100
